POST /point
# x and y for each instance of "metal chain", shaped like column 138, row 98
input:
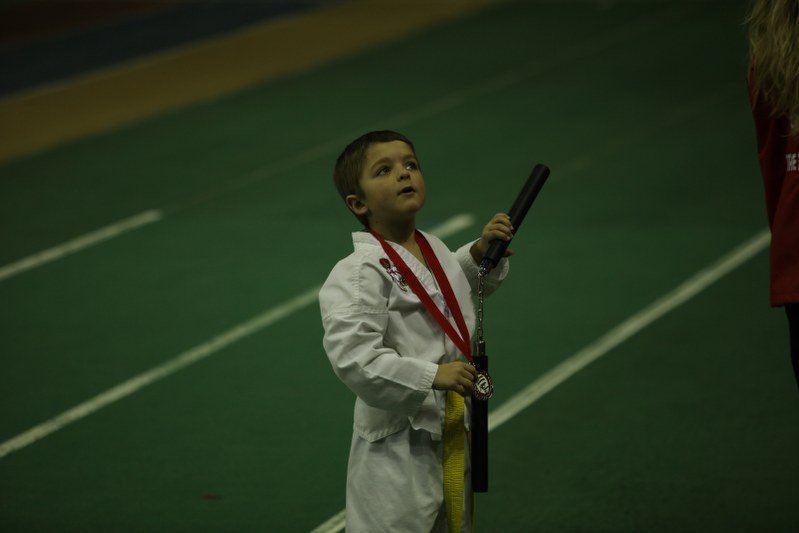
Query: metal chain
column 480, row 297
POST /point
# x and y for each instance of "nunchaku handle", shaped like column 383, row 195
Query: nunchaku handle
column 517, row 213
column 496, row 250
column 480, row 428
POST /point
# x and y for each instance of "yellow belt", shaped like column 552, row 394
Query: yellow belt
column 454, row 434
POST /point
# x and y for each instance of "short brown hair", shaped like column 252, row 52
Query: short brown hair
column 349, row 164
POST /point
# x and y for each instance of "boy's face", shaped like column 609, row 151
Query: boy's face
column 392, row 184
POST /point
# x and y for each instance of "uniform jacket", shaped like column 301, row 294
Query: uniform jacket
column 382, row 342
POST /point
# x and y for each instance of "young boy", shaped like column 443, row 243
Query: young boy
column 386, row 345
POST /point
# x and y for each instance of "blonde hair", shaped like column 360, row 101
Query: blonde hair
column 774, row 53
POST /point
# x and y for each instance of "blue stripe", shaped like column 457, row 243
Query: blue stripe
column 29, row 64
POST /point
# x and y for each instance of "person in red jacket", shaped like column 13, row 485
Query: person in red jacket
column 773, row 80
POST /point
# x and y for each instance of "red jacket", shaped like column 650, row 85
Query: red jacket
column 778, row 153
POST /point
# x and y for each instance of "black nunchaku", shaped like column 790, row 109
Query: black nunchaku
column 495, row 252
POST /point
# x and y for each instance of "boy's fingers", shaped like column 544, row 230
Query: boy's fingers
column 498, row 233
column 503, row 219
column 501, row 226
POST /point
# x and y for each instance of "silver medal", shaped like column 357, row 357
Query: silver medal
column 483, row 386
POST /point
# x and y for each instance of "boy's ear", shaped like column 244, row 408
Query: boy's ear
column 356, row 205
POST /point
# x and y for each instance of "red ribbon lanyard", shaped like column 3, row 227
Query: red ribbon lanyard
column 462, row 341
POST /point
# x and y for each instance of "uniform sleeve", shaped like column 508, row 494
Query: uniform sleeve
column 471, row 269
column 354, row 306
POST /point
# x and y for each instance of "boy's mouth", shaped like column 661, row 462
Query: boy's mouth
column 407, row 190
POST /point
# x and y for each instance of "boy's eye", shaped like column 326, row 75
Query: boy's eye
column 384, row 170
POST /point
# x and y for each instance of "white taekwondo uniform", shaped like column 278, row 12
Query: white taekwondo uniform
column 386, row 347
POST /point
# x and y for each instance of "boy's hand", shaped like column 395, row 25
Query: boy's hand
column 499, row 227
column 456, row 376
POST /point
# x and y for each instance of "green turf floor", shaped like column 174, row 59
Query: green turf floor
column 640, row 110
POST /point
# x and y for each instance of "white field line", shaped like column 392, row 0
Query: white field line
column 333, row 524
column 79, row 243
column 678, row 296
column 538, row 388
column 189, row 357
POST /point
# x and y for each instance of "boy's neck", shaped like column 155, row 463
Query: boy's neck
column 402, row 234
